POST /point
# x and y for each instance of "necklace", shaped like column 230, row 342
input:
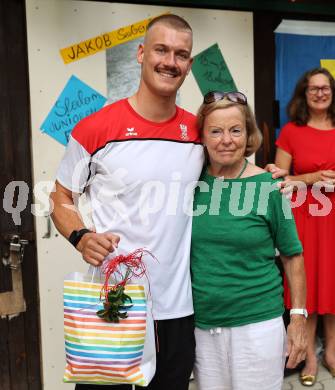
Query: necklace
column 241, row 172
column 243, row 169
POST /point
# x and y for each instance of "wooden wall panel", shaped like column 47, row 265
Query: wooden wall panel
column 20, row 335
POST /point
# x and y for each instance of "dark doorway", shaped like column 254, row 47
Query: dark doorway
column 264, row 64
column 19, row 303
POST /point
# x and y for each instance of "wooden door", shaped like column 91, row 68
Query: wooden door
column 19, row 331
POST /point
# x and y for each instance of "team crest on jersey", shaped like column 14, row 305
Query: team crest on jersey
column 183, row 135
column 131, row 132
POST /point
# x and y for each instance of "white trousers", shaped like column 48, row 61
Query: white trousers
column 248, row 357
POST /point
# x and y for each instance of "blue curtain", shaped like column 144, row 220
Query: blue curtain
column 295, row 54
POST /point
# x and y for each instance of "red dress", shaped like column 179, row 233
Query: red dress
column 314, row 150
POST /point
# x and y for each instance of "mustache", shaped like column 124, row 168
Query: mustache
column 171, row 69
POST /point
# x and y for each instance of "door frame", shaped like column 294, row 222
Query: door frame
column 20, row 351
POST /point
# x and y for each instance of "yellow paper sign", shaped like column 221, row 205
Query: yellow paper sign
column 105, row 41
column 329, row 65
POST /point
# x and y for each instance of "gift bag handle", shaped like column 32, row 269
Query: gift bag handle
column 95, row 269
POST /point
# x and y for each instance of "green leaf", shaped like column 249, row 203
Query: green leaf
column 101, row 313
column 127, row 298
column 116, row 300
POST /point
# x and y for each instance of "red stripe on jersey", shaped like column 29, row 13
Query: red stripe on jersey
column 119, row 122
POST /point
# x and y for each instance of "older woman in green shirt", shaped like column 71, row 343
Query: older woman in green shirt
column 240, row 218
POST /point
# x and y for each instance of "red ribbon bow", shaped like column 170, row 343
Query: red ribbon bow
column 134, row 264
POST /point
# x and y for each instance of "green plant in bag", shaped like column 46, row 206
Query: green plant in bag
column 115, row 303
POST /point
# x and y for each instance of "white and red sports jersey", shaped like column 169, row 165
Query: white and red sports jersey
column 139, row 176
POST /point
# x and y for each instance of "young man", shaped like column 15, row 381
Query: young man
column 137, row 159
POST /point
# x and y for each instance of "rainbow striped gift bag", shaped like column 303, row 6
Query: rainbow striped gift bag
column 102, row 352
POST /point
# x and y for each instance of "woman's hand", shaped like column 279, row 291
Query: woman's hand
column 296, row 331
column 296, row 340
column 276, row 171
column 328, row 178
column 324, row 179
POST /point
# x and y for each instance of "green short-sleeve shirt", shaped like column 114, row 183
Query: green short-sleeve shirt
column 237, row 225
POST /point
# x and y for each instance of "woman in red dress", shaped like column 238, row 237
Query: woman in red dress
column 308, row 143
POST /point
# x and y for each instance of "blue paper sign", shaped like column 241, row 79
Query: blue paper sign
column 76, row 101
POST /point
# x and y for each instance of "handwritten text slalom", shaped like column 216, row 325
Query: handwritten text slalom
column 76, row 101
column 105, row 41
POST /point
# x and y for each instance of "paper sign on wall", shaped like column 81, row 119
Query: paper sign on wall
column 76, row 101
column 105, row 41
column 211, row 71
column 329, row 65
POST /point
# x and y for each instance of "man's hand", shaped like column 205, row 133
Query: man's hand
column 276, row 172
column 296, row 340
column 288, row 186
column 94, row 247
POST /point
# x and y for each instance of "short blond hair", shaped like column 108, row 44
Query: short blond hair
column 171, row 20
column 254, row 135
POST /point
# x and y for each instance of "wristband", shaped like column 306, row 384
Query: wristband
column 302, row 312
column 76, row 236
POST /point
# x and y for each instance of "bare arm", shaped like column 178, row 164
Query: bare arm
column 284, row 161
column 296, row 331
column 93, row 246
column 65, row 213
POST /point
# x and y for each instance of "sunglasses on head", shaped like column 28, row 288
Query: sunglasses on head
column 215, row 96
